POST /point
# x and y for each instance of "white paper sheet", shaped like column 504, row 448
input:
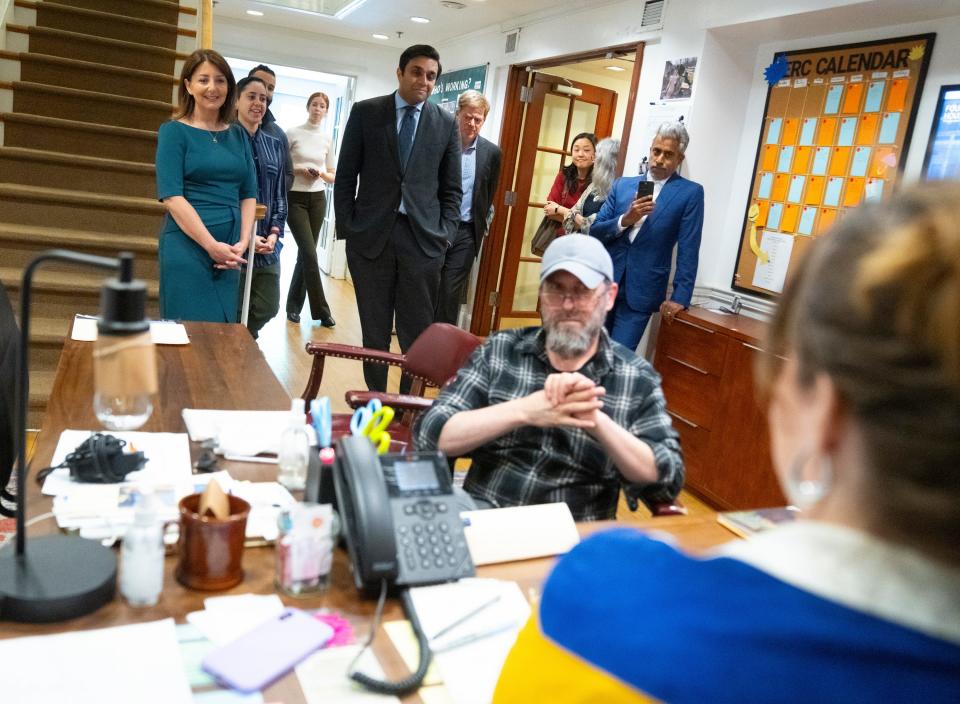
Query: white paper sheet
column 136, row 663
column 772, row 275
column 226, row 618
column 323, row 677
column 162, row 332
column 237, row 432
column 519, row 532
column 470, row 671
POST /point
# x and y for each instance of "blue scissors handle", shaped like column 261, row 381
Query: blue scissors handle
column 363, row 416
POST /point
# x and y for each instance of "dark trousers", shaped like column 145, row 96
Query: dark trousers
column 625, row 324
column 305, row 211
column 264, row 296
column 400, row 284
column 455, row 274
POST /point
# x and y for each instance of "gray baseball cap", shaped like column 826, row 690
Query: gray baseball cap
column 583, row 256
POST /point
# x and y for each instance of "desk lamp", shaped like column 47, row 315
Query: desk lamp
column 59, row 577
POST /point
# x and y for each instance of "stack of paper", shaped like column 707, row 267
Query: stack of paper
column 162, row 332
column 237, row 434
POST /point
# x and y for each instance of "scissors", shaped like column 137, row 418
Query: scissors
column 371, row 421
column 322, row 420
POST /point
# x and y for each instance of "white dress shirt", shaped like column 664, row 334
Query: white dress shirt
column 657, row 187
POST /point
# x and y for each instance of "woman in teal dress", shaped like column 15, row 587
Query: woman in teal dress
column 207, row 181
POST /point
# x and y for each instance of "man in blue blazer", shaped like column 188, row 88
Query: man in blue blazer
column 640, row 234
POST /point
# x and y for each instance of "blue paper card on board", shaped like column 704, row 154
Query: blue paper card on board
column 848, row 128
column 874, row 189
column 796, row 188
column 807, row 216
column 786, row 158
column 831, row 196
column 874, row 96
column 773, row 134
column 808, row 131
column 832, row 105
column 888, row 128
column 861, row 160
column 766, row 183
column 773, row 217
column 821, row 155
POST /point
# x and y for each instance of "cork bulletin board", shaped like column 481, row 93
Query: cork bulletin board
column 836, row 128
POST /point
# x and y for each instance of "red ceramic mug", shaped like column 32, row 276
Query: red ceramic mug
column 211, row 549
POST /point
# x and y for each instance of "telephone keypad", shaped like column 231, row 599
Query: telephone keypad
column 435, row 547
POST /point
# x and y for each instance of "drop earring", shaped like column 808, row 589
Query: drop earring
column 806, row 486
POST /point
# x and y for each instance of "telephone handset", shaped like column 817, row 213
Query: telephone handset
column 402, row 527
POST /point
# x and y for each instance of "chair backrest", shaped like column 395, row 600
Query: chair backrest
column 9, row 351
column 439, row 351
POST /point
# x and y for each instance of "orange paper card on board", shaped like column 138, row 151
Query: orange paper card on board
column 764, row 206
column 826, row 219
column 781, row 182
column 791, row 128
column 852, row 98
column 791, row 213
column 771, row 153
column 853, row 193
column 897, row 98
column 814, row 194
column 827, row 131
column 801, row 160
column 867, row 129
column 839, row 161
column 884, row 160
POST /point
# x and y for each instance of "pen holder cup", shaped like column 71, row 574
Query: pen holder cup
column 211, row 549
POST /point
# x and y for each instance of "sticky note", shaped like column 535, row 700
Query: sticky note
column 796, row 188
column 884, row 159
column 867, row 129
column 791, row 127
column 888, row 128
column 808, row 215
column 852, row 98
column 766, row 183
column 832, row 104
column 827, row 131
column 781, row 182
column 853, row 193
column 808, row 131
column 801, row 160
column 874, row 189
column 821, row 156
column 897, row 97
column 786, row 158
column 839, row 161
column 773, row 130
column 874, row 99
column 860, row 161
column 773, row 218
column 764, row 206
column 815, row 186
column 769, row 160
column 848, row 130
column 826, row 219
column 831, row 195
column 791, row 213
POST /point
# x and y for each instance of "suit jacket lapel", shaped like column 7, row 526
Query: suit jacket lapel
column 667, row 194
column 390, row 125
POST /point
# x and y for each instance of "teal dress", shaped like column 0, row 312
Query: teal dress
column 214, row 171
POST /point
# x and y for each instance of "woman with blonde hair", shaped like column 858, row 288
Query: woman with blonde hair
column 207, row 182
column 859, row 600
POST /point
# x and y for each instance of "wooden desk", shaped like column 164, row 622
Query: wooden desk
column 209, row 373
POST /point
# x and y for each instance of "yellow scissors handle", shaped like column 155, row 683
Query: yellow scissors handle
column 376, row 429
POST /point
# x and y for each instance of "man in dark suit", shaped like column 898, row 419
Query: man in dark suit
column 479, row 175
column 397, row 202
column 640, row 234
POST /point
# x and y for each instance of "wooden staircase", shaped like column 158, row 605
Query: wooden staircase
column 84, row 85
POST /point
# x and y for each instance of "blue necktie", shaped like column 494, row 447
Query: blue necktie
column 405, row 138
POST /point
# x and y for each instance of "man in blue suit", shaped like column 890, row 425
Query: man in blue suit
column 640, row 234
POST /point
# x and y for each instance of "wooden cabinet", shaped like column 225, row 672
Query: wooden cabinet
column 706, row 360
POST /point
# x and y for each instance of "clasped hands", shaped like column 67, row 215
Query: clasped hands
column 228, row 256
column 568, row 399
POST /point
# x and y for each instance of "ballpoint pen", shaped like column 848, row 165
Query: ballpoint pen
column 470, row 614
column 473, row 637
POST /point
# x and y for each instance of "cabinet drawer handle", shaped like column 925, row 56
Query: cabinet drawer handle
column 752, row 347
column 694, row 325
column 688, row 365
column 682, row 419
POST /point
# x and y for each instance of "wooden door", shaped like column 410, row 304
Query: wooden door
column 551, row 119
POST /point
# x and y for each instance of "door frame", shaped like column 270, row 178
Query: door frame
column 488, row 273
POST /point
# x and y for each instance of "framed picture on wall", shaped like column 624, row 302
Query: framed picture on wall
column 942, row 160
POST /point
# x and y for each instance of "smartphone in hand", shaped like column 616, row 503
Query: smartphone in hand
column 644, row 189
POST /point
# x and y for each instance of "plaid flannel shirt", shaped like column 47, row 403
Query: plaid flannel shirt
column 533, row 465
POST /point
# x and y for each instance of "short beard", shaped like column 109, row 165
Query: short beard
column 567, row 342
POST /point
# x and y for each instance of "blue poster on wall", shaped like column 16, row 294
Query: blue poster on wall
column 943, row 147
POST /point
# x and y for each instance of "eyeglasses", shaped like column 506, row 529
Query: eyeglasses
column 581, row 297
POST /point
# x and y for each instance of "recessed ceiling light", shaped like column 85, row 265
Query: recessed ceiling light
column 380, row 36
column 615, row 68
column 255, row 13
column 421, row 20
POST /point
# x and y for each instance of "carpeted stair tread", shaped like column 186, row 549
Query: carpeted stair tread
column 96, row 15
column 80, row 282
column 41, row 384
column 80, row 94
column 85, row 126
column 158, row 9
column 64, row 196
column 50, row 237
column 78, row 36
column 93, row 162
column 90, row 66
column 48, row 331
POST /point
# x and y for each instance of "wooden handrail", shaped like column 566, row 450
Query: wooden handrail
column 206, row 24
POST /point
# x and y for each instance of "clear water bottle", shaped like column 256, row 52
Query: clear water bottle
column 141, row 576
column 294, row 449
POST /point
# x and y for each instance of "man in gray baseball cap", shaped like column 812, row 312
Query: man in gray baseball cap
column 560, row 412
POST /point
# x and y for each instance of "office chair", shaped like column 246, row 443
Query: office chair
column 432, row 360
column 9, row 350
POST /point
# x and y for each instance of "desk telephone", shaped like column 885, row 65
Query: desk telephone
column 402, row 527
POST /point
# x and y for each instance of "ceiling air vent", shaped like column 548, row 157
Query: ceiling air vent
column 652, row 14
column 512, row 39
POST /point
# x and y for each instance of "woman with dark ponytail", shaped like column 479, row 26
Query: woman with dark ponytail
column 572, row 180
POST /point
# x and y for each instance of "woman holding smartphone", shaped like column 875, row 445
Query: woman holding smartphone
column 311, row 151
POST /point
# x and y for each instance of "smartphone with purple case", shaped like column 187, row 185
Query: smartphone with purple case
column 267, row 652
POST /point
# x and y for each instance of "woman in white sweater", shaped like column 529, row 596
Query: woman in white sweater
column 311, row 151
